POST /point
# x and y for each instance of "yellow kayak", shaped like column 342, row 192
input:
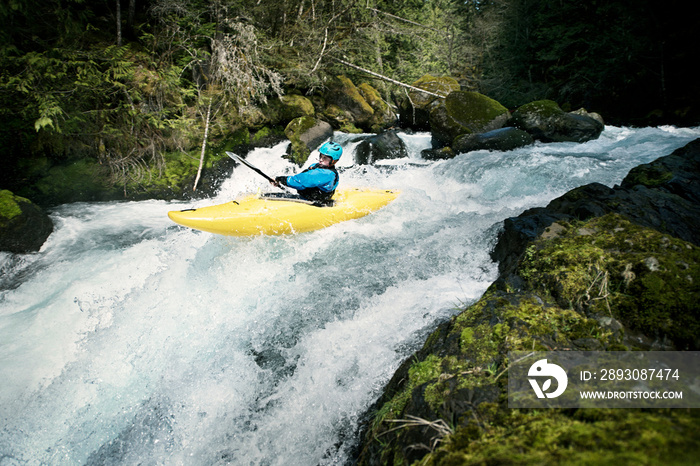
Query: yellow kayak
column 259, row 215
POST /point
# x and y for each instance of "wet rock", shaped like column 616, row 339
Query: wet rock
column 384, row 116
column 383, row 146
column 24, row 226
column 295, row 106
column 546, row 122
column 502, row 139
column 442, row 153
column 346, row 108
column 662, row 195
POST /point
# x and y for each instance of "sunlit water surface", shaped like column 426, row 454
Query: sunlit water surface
column 128, row 339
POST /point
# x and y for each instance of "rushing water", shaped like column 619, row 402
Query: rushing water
column 128, row 339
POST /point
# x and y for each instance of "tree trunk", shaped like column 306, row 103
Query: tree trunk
column 130, row 19
column 119, row 23
column 204, row 147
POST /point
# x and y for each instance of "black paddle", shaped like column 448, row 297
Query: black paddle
column 254, row 168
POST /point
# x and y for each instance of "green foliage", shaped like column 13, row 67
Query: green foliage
column 69, row 90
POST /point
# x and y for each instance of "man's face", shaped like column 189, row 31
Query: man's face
column 325, row 161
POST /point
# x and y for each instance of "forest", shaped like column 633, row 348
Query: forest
column 125, row 82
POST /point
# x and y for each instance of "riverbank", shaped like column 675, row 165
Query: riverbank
column 597, row 269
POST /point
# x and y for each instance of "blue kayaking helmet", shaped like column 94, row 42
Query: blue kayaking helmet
column 332, row 150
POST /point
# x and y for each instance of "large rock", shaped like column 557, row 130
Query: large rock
column 414, row 110
column 306, row 134
column 384, row 116
column 383, row 146
column 24, row 227
column 546, row 122
column 295, row 106
column 464, row 112
column 502, row 139
column 355, row 109
column 609, row 283
column 278, row 111
column 346, row 107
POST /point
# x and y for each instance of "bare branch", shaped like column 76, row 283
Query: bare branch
column 402, row 19
column 385, row 78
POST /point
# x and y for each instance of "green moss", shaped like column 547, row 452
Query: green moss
column 542, row 108
column 424, row 371
column 341, row 120
column 299, row 125
column 472, row 109
column 9, row 208
column 352, row 93
column 179, row 167
column 267, row 134
column 296, row 106
column 479, row 344
column 235, row 139
column 372, row 97
column 611, row 266
column 485, row 332
column 649, row 175
column 300, row 152
column 564, row 437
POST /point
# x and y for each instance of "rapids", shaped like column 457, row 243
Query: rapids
column 130, row 340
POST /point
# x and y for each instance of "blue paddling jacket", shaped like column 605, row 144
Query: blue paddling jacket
column 315, row 183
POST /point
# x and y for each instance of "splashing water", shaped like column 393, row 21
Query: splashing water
column 128, row 339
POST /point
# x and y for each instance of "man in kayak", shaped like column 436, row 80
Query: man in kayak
column 318, row 182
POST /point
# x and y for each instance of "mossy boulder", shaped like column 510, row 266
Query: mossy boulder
column 384, row 116
column 353, row 109
column 464, row 112
column 284, row 109
column 414, row 110
column 447, row 404
column 346, row 105
column 251, row 116
column 24, row 227
column 609, row 265
column 296, row 106
column 663, row 195
column 547, row 122
column 606, row 282
column 305, row 135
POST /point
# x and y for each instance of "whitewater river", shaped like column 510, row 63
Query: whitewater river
column 130, row 340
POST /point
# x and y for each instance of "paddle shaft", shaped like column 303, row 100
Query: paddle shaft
column 255, row 169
